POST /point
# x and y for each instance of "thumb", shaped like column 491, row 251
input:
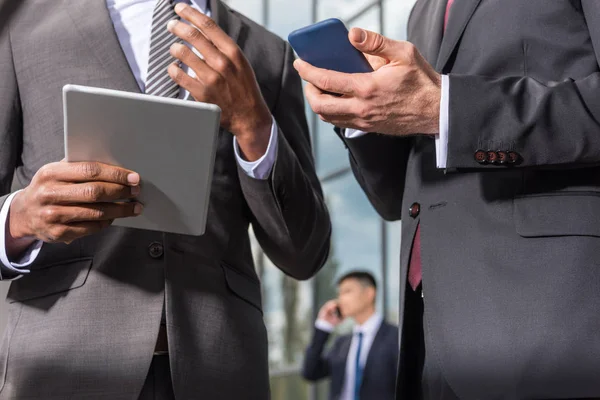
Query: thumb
column 375, row 44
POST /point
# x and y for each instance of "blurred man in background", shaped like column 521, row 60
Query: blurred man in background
column 361, row 365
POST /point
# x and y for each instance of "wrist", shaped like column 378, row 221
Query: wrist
column 253, row 137
column 16, row 229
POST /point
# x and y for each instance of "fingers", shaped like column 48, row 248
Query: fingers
column 378, row 45
column 197, row 39
column 208, row 27
column 89, row 192
column 184, row 54
column 62, row 215
column 326, row 80
column 78, row 172
column 194, row 86
column 328, row 105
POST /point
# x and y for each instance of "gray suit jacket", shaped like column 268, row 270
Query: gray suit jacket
column 83, row 323
column 510, row 252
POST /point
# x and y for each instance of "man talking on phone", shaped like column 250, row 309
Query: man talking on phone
column 103, row 312
column 484, row 139
column 361, row 365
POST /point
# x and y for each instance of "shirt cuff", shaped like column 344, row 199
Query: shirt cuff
column 441, row 140
column 19, row 266
column 261, row 168
column 324, row 326
column 353, row 133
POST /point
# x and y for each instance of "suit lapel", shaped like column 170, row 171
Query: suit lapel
column 427, row 34
column 92, row 20
column 461, row 14
column 226, row 19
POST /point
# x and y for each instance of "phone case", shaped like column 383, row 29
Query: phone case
column 326, row 45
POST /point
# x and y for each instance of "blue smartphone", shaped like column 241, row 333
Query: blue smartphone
column 326, row 45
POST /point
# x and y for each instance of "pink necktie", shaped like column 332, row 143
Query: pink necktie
column 414, row 268
column 448, row 6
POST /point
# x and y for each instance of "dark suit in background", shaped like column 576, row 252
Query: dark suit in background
column 379, row 376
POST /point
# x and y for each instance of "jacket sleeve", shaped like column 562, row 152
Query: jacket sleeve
column 10, row 126
column 545, row 124
column 316, row 363
column 290, row 218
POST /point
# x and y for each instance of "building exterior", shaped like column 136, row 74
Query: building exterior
column 360, row 238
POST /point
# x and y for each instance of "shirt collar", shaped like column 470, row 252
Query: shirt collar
column 370, row 326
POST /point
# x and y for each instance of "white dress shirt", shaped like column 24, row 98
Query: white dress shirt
column 441, row 139
column 369, row 330
column 132, row 20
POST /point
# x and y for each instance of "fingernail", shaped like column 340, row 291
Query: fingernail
column 362, row 35
column 133, row 179
column 180, row 7
column 137, row 209
column 135, row 190
column 171, row 24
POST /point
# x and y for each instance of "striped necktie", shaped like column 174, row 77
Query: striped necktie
column 158, row 81
column 414, row 268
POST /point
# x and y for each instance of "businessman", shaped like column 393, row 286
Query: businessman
column 361, row 365
column 103, row 312
column 487, row 148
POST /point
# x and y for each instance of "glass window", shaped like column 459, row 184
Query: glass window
column 356, row 237
column 396, row 17
column 392, row 284
column 342, row 9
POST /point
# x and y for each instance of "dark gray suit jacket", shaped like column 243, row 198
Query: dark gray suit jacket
column 510, row 252
column 379, row 376
column 83, row 323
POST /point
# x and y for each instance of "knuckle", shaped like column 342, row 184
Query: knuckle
column 377, row 43
column 92, row 192
column 46, row 193
column 363, row 112
column 192, row 34
column 50, row 215
column 45, row 173
column 89, row 170
column 212, row 79
column 57, row 233
column 366, row 88
column 209, row 24
column 324, row 82
column 222, row 64
column 96, row 214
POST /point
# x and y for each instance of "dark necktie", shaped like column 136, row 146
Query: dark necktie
column 158, row 81
column 414, row 268
column 358, row 370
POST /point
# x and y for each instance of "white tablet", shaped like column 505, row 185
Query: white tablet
column 171, row 143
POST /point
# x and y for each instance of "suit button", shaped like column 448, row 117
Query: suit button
column 513, row 157
column 502, row 157
column 414, row 210
column 481, row 156
column 492, row 157
column 156, row 250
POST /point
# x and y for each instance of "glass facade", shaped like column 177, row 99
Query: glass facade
column 361, row 239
